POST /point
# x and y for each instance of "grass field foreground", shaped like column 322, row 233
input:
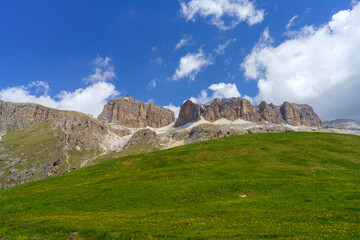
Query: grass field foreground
column 261, row 186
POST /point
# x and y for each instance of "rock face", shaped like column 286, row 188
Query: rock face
column 239, row 108
column 128, row 112
column 231, row 109
column 270, row 113
column 300, row 115
column 189, row 112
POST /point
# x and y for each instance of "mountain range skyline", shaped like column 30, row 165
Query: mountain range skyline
column 78, row 56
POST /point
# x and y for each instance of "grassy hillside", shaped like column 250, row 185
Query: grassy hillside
column 30, row 153
column 29, row 149
column 271, row 186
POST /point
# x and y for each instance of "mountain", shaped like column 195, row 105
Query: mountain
column 344, row 124
column 38, row 142
column 240, row 108
column 260, row 186
column 128, row 112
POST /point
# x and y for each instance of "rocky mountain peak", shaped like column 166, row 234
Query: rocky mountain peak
column 129, row 112
column 240, row 108
column 189, row 112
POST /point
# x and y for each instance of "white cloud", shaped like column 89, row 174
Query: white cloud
column 221, row 47
column 235, row 11
column 191, row 64
column 90, row 100
column 183, row 41
column 157, row 60
column 23, row 94
column 40, row 86
column 103, row 70
column 317, row 66
column 173, row 108
column 220, row 90
column 151, row 85
column 291, row 22
column 202, row 98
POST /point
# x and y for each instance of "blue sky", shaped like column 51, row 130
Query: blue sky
column 79, row 54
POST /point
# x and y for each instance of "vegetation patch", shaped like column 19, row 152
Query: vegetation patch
column 261, row 186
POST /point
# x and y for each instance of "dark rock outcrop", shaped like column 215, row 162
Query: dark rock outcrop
column 128, row 112
column 189, row 112
column 240, row 108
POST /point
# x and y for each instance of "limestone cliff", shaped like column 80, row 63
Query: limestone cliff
column 231, row 109
column 240, row 108
column 128, row 112
column 189, row 112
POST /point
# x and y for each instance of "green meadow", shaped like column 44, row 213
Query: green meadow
column 261, row 186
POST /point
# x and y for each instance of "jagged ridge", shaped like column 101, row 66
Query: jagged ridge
column 240, row 108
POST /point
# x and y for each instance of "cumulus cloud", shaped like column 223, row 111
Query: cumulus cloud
column 183, row 41
column 173, row 108
column 291, row 22
column 191, row 64
column 318, row 66
column 224, row 14
column 25, row 94
column 90, row 100
column 221, row 47
column 219, row 90
column 103, row 70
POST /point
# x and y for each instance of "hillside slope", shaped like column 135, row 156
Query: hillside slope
column 274, row 186
column 37, row 142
